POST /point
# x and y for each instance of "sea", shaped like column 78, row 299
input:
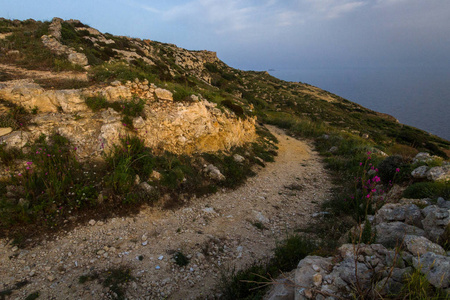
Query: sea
column 416, row 96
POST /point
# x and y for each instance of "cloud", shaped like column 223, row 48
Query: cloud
column 331, row 9
column 386, row 3
column 234, row 15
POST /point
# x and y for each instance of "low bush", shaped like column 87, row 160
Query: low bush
column 252, row 282
column 390, row 169
column 238, row 110
column 420, row 190
column 52, row 184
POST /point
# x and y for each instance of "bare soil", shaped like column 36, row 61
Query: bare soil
column 230, row 229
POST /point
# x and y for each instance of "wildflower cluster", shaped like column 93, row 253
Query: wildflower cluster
column 368, row 190
column 52, row 179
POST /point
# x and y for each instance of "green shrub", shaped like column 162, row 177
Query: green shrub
column 417, row 286
column 8, row 156
column 390, row 167
column 127, row 160
column 249, row 283
column 433, row 190
column 97, row 103
column 116, row 281
column 180, row 259
column 238, row 110
column 181, row 94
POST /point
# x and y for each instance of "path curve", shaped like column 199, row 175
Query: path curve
column 216, row 232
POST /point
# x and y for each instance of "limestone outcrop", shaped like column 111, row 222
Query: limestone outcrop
column 179, row 127
column 53, row 42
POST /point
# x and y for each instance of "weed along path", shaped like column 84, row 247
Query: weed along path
column 175, row 254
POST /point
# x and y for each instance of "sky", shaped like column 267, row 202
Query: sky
column 272, row 34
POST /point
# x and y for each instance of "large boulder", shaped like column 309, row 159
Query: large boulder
column 441, row 173
column 419, row 245
column 435, row 221
column 5, row 131
column 391, row 234
column 307, row 274
column 16, row 139
column 435, row 267
column 282, row 290
column 420, row 172
column 78, row 58
column 392, row 212
column 162, row 94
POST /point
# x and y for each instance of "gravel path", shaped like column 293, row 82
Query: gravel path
column 21, row 73
column 216, row 232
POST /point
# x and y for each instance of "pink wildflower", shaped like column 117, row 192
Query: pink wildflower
column 29, row 163
column 368, row 196
column 360, row 163
column 397, row 170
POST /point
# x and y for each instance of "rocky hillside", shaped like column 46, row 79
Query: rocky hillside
column 71, row 45
column 93, row 126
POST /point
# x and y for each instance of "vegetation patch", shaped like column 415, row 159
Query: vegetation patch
column 116, row 280
column 420, row 190
column 252, row 282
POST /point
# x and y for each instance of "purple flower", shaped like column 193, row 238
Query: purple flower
column 29, row 163
column 397, row 170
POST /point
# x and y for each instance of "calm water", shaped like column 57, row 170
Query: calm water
column 415, row 96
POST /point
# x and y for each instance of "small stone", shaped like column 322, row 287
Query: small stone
column 238, row 158
column 161, row 257
column 100, row 223
column 100, row 252
column 92, row 222
column 308, row 294
column 50, row 278
column 316, row 268
column 145, row 243
column 5, row 131
column 15, row 248
column 317, row 279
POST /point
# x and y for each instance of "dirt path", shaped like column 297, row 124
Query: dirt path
column 216, row 232
column 21, row 73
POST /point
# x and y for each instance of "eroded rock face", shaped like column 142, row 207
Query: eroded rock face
column 53, row 43
column 179, row 127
